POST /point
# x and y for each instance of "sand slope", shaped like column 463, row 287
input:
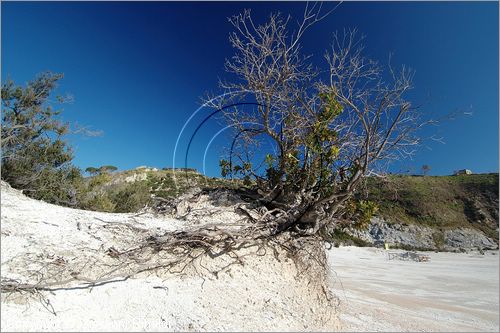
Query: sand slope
column 37, row 239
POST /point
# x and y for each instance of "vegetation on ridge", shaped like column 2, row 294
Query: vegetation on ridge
column 438, row 201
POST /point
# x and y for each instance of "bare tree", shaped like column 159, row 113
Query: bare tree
column 425, row 169
column 328, row 128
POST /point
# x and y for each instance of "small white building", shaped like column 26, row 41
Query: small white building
column 462, row 172
column 146, row 168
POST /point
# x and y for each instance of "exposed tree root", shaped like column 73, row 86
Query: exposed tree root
column 177, row 252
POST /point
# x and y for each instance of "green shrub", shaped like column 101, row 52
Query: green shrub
column 366, row 210
column 360, row 212
column 131, row 197
column 340, row 237
column 99, row 202
column 98, row 180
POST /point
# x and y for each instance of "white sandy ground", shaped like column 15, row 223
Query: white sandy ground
column 265, row 294
column 453, row 292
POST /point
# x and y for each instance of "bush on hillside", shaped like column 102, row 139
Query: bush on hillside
column 99, row 202
column 35, row 156
column 131, row 197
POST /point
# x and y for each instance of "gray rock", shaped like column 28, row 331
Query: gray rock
column 467, row 239
column 414, row 236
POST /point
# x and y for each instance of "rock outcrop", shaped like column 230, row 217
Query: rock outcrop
column 413, row 236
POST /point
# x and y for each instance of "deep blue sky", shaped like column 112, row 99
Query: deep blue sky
column 137, row 70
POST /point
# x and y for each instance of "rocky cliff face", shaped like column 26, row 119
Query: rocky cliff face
column 413, row 236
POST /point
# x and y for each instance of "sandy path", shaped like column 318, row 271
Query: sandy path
column 452, row 292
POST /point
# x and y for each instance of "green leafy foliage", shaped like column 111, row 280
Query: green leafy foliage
column 366, row 209
column 321, row 144
column 306, row 159
column 242, row 170
column 100, row 194
column 101, row 169
column 91, row 170
column 361, row 211
column 225, row 168
column 35, row 156
column 131, row 197
column 107, row 168
column 110, row 192
column 98, row 180
column 99, row 202
column 339, row 237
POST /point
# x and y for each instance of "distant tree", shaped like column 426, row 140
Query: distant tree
column 107, row 168
column 91, row 170
column 101, row 170
column 35, row 156
column 425, row 169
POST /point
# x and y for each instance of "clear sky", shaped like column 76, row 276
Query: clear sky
column 137, row 71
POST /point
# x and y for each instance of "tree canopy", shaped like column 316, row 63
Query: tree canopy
column 35, row 156
column 329, row 126
column 101, row 169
